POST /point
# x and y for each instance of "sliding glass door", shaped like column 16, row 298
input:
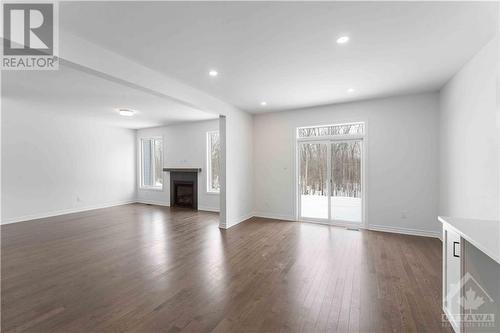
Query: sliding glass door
column 345, row 194
column 330, row 181
column 313, row 183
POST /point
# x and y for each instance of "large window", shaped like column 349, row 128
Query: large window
column 213, row 162
column 151, row 163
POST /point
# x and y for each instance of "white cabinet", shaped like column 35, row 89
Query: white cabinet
column 451, row 275
column 471, row 274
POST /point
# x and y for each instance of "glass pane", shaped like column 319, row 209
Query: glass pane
column 147, row 167
column 158, row 153
column 152, row 168
column 214, row 177
column 346, row 181
column 341, row 129
column 313, row 159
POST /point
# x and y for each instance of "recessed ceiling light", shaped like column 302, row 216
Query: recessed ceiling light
column 342, row 39
column 213, row 73
column 126, row 112
column 263, row 103
column 350, row 90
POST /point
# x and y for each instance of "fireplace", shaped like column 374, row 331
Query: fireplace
column 183, row 194
column 183, row 187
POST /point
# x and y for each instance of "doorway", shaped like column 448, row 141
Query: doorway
column 330, row 176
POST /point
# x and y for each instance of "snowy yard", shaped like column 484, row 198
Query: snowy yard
column 343, row 208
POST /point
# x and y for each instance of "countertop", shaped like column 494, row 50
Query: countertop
column 483, row 234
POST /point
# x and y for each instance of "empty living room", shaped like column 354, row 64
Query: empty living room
column 250, row 166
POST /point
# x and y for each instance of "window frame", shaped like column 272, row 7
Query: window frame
column 141, row 164
column 208, row 188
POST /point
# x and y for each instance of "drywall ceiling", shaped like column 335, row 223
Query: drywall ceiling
column 75, row 92
column 285, row 53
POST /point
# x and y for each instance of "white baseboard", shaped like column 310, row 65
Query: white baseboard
column 153, row 202
column 30, row 217
column 383, row 228
column 406, row 231
column 237, row 221
column 274, row 216
column 209, row 209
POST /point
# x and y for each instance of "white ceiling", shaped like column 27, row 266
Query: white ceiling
column 77, row 92
column 285, row 53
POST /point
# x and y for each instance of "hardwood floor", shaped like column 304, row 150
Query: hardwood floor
column 140, row 268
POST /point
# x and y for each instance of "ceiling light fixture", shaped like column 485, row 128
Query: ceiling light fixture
column 263, row 103
column 213, row 73
column 126, row 112
column 342, row 39
column 350, row 90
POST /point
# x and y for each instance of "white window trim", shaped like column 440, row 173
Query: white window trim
column 141, row 183
column 209, row 165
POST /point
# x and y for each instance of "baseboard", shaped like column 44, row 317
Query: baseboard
column 406, row 231
column 26, row 218
column 153, row 202
column 274, row 216
column 167, row 204
column 237, row 221
column 209, row 209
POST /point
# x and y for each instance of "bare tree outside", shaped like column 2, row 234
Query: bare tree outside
column 158, row 163
column 346, row 169
column 214, row 162
column 344, row 129
column 151, row 159
column 313, row 169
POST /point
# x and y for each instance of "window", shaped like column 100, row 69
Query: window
column 213, row 162
column 329, row 130
column 151, row 163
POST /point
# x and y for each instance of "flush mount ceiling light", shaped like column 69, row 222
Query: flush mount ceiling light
column 342, row 39
column 350, row 90
column 126, row 112
column 263, row 103
column 213, row 73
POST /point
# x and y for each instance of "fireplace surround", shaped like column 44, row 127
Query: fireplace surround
column 183, row 187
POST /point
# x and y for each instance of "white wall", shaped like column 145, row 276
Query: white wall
column 239, row 168
column 469, row 139
column 401, row 161
column 53, row 163
column 184, row 145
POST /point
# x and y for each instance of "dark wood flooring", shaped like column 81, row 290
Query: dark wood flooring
column 140, row 268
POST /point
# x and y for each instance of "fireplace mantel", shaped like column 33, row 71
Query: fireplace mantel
column 182, row 169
